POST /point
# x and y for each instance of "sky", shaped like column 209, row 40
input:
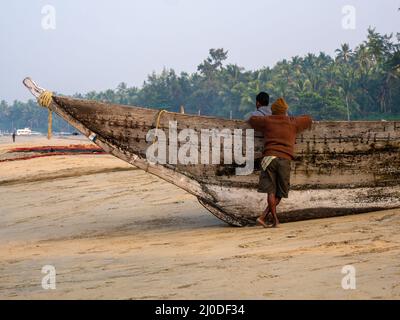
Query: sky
column 79, row 46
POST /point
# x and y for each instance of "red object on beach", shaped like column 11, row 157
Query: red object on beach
column 70, row 148
column 48, row 151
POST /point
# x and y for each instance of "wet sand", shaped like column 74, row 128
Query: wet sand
column 112, row 231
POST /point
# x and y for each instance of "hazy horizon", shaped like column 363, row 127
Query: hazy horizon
column 98, row 44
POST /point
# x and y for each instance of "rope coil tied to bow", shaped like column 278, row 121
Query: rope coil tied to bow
column 45, row 100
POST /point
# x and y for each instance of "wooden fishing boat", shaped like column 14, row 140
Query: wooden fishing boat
column 341, row 167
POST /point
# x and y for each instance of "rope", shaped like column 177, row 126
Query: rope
column 49, row 124
column 158, row 124
column 45, row 100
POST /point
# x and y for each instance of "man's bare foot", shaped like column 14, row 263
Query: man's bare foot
column 275, row 224
column 262, row 222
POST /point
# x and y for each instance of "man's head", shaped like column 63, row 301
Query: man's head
column 279, row 107
column 262, row 100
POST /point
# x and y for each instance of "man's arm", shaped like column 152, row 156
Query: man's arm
column 303, row 123
column 257, row 123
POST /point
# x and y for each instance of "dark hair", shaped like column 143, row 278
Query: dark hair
column 263, row 98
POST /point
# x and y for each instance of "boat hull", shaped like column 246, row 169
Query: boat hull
column 241, row 207
column 340, row 168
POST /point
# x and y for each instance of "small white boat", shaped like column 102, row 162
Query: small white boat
column 24, row 132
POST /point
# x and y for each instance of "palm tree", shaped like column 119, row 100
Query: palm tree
column 344, row 54
column 345, row 75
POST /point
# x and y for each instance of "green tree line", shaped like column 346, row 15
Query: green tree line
column 362, row 83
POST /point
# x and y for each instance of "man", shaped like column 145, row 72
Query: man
column 13, row 136
column 280, row 133
column 262, row 102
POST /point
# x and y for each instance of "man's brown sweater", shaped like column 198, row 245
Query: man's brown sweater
column 280, row 133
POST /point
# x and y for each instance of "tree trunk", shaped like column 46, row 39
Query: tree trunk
column 348, row 108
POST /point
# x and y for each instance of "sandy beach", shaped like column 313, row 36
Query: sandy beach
column 115, row 232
